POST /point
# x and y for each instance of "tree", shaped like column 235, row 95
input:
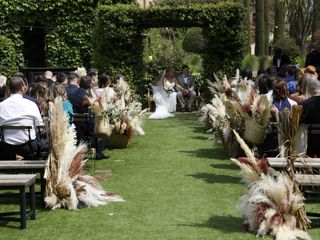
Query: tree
column 316, row 21
column 259, row 29
column 279, row 20
column 247, row 6
column 267, row 25
column 300, row 19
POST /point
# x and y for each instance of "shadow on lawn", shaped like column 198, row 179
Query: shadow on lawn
column 225, row 166
column 216, row 153
column 214, row 178
column 225, row 224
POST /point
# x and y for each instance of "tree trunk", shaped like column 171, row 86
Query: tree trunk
column 259, row 28
column 247, row 6
column 267, row 26
column 316, row 21
column 279, row 20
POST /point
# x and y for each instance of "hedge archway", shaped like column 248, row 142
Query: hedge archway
column 118, row 40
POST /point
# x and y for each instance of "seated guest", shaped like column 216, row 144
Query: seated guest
column 305, row 89
column 18, row 111
column 77, row 96
column 104, row 86
column 186, row 89
column 39, row 92
column 311, row 115
column 61, row 78
column 290, row 78
column 280, row 95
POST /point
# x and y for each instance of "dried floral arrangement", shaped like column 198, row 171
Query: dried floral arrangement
column 272, row 203
column 66, row 183
column 124, row 114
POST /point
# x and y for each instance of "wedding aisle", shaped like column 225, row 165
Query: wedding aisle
column 176, row 185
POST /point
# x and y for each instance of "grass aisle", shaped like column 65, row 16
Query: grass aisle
column 176, row 184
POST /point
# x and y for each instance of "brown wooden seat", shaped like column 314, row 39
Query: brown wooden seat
column 20, row 182
column 26, row 166
column 299, row 163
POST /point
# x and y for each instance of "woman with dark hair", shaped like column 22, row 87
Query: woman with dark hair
column 104, row 87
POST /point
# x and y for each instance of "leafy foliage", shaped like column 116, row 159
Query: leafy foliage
column 194, row 41
column 68, row 26
column 289, row 47
column 118, row 38
column 8, row 64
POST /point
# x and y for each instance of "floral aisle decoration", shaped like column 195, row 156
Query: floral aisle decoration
column 271, row 204
column 66, row 183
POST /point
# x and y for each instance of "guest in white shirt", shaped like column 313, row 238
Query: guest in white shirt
column 18, row 111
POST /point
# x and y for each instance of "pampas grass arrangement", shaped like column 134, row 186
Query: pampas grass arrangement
column 66, row 184
column 271, row 204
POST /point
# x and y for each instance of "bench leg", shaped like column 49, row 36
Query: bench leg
column 32, row 202
column 23, row 217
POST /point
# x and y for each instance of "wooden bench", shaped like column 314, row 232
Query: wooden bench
column 26, row 166
column 20, row 182
column 313, row 163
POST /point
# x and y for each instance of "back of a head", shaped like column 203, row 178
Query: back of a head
column 73, row 78
column 61, row 77
column 60, row 90
column 269, row 81
column 48, row 74
column 104, row 80
column 310, row 85
column 85, row 82
column 271, row 71
column 93, row 72
column 261, row 83
column 246, row 73
column 280, row 89
column 16, row 84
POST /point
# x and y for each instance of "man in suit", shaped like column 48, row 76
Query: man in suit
column 186, row 89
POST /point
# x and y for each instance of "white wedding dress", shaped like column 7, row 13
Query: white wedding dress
column 165, row 102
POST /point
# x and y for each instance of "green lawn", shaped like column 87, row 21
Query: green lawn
column 176, row 183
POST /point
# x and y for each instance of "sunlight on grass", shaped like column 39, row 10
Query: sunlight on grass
column 176, row 184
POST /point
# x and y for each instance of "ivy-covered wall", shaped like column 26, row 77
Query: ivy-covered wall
column 119, row 33
column 67, row 24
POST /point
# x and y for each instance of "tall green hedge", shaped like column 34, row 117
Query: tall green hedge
column 119, row 31
column 68, row 27
column 8, row 65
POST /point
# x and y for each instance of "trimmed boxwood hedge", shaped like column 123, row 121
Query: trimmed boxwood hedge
column 117, row 42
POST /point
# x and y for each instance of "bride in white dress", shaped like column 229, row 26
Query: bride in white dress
column 164, row 96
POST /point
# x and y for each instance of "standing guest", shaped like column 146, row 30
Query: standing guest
column 313, row 56
column 280, row 58
column 186, row 89
column 18, row 111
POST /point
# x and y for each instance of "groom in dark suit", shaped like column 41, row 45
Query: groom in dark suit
column 186, row 89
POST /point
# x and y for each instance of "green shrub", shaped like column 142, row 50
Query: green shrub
column 289, row 47
column 194, row 41
column 250, row 62
column 8, row 65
